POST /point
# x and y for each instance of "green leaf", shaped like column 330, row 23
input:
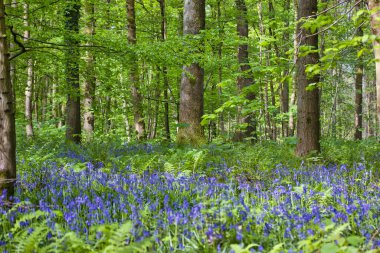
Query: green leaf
column 355, row 240
column 329, row 248
column 277, row 248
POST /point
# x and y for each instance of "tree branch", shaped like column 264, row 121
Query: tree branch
column 18, row 43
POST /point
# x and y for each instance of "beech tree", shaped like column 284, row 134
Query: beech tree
column 308, row 121
column 191, row 94
column 134, row 73
column 246, row 77
column 73, row 114
column 359, row 89
column 374, row 7
column 7, row 114
column 164, row 34
column 90, row 80
column 30, row 80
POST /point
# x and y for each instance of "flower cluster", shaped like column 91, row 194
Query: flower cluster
column 283, row 205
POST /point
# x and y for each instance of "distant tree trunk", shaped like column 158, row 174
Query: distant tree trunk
column 334, row 109
column 293, row 96
column 44, row 96
column 29, row 83
column 271, row 83
column 369, row 102
column 191, row 98
column 156, row 111
column 89, row 78
column 265, row 96
column 73, row 118
column 246, row 77
column 285, row 83
column 7, row 115
column 220, row 66
column 359, row 94
column 308, row 112
column 165, row 69
column 54, row 104
column 134, row 74
column 374, row 6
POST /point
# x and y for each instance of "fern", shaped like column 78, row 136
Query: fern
column 31, row 242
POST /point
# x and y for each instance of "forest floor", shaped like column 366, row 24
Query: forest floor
column 111, row 196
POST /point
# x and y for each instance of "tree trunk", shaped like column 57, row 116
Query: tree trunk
column 90, row 80
column 73, row 115
column 271, row 84
column 220, row 68
column 359, row 94
column 191, row 98
column 245, row 79
column 134, row 74
column 308, row 122
column 7, row 115
column 293, row 97
column 44, row 96
column 165, row 69
column 374, row 7
column 285, row 84
column 29, row 83
column 156, row 111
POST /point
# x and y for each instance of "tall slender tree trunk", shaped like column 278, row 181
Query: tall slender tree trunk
column 134, row 74
column 246, row 77
column 165, row 69
column 308, row 112
column 29, row 82
column 191, row 98
column 374, row 6
column 220, row 66
column 265, row 96
column 359, row 94
column 89, row 79
column 7, row 115
column 285, row 84
column 271, row 83
column 73, row 115
column 45, row 96
column 293, row 96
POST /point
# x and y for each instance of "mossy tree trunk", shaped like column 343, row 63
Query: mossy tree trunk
column 246, row 77
column 308, row 111
column 7, row 115
column 73, row 114
column 192, row 82
column 134, row 74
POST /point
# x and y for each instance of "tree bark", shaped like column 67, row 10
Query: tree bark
column 73, row 115
column 293, row 96
column 7, row 115
column 271, row 83
column 374, row 7
column 220, row 67
column 29, row 82
column 165, row 69
column 359, row 94
column 308, row 111
column 246, row 76
column 134, row 74
column 191, row 97
column 90, row 79
column 285, row 84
